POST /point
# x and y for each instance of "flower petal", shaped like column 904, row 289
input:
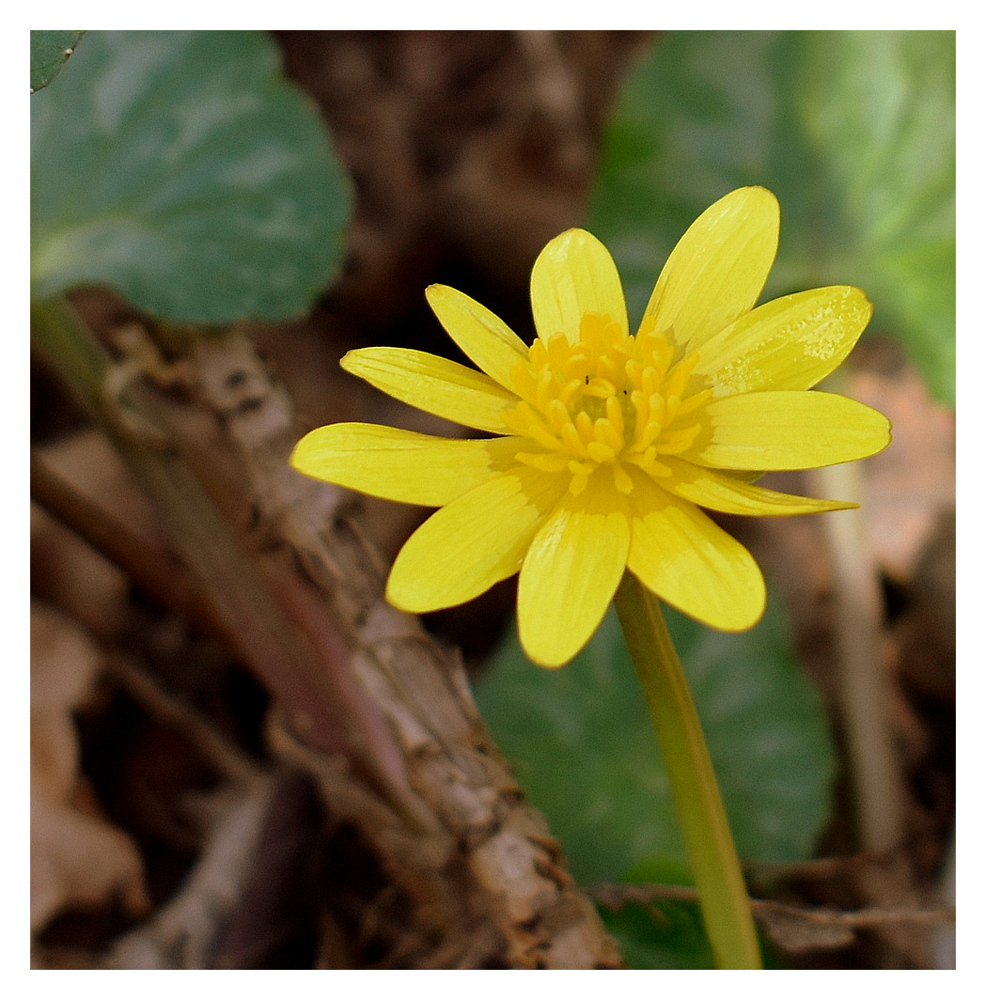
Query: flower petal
column 484, row 338
column 718, row 269
column 789, row 343
column 712, row 489
column 689, row 561
column 570, row 574
column 574, row 275
column 476, row 541
column 399, row 465
column 434, row 384
column 787, row 429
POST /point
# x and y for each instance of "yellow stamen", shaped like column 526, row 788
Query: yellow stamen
column 606, row 400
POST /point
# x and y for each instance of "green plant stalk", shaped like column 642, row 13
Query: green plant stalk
column 715, row 867
column 56, row 333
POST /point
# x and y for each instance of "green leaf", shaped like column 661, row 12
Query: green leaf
column 881, row 105
column 662, row 934
column 184, row 171
column 49, row 53
column 853, row 130
column 584, row 751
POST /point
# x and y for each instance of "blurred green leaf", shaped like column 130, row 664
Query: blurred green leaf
column 854, row 131
column 183, row 170
column 585, row 753
column 662, row 934
column 665, row 934
column 50, row 51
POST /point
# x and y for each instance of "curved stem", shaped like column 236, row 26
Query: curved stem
column 721, row 891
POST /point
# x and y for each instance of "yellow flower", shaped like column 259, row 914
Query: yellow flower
column 607, row 444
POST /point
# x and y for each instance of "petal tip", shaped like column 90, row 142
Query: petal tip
column 547, row 659
column 757, row 193
column 734, row 628
column 572, row 240
column 437, row 295
column 397, row 597
column 761, row 206
column 746, row 618
column 751, row 196
column 301, row 453
column 346, row 361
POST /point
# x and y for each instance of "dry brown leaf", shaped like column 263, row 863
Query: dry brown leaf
column 77, row 858
column 909, row 485
column 64, row 569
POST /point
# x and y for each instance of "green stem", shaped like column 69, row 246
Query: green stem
column 715, row 866
column 61, row 338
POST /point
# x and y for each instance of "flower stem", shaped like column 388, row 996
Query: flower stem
column 715, row 866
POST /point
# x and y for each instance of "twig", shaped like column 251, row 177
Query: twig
column 223, row 755
column 300, row 595
column 616, row 895
column 184, row 934
column 145, row 561
column 485, row 866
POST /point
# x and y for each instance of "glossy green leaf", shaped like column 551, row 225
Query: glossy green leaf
column 184, row 171
column 853, row 130
column 584, row 751
column 50, row 51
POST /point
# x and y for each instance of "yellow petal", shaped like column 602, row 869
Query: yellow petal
column 686, row 559
column 770, row 431
column 396, row 464
column 789, row 343
column 573, row 275
column 434, row 384
column 484, row 338
column 712, row 489
column 570, row 574
column 473, row 543
column 717, row 270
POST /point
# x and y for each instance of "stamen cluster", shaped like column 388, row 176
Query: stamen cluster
column 607, row 401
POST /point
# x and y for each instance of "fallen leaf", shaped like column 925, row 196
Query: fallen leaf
column 77, row 857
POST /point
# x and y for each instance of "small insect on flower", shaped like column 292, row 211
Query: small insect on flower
column 608, row 443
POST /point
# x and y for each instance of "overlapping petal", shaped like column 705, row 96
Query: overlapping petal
column 685, row 558
column 788, row 343
column 570, row 574
column 731, row 495
column 718, row 269
column 574, row 275
column 473, row 542
column 483, row 337
column 399, row 465
column 433, row 384
column 787, row 429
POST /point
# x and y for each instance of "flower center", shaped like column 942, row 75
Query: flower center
column 604, row 403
